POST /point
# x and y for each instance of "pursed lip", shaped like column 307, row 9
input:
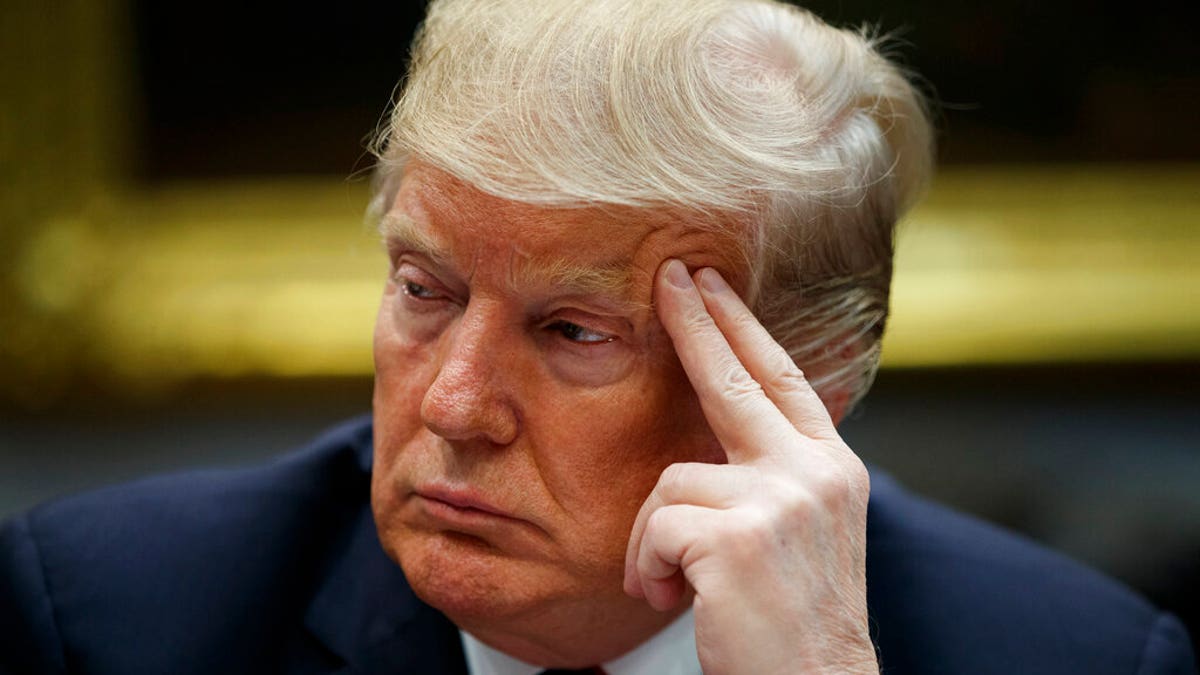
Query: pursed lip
column 462, row 499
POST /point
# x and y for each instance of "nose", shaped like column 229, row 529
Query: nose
column 467, row 399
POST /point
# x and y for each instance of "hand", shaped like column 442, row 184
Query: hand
column 774, row 542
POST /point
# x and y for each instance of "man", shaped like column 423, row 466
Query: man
column 614, row 228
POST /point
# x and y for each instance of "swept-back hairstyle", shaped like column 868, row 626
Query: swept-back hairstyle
column 747, row 107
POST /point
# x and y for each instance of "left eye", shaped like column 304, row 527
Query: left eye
column 576, row 333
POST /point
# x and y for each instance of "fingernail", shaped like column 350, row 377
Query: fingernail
column 677, row 274
column 711, row 281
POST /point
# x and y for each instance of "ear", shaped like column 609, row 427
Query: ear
column 837, row 396
column 837, row 402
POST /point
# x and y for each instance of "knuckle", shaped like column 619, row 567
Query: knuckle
column 695, row 320
column 786, row 376
column 744, row 321
column 840, row 489
column 755, row 529
column 800, row 505
column 859, row 477
column 657, row 521
column 673, row 479
column 830, row 486
column 737, row 384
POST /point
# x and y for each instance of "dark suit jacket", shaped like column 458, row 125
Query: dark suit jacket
column 278, row 569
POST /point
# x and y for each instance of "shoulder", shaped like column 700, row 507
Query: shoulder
column 110, row 566
column 191, row 517
column 949, row 593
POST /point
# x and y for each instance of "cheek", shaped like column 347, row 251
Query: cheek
column 402, row 365
column 629, row 434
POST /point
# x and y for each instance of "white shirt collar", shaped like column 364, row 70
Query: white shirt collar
column 671, row 651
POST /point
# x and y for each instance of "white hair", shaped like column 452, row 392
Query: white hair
column 749, row 107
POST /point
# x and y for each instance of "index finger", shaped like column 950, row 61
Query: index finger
column 745, row 420
column 765, row 359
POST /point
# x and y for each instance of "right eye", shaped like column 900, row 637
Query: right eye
column 414, row 290
column 421, row 291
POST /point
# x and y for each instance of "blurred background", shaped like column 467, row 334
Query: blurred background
column 188, row 280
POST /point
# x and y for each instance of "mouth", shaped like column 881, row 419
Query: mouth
column 461, row 509
column 459, row 503
column 458, row 516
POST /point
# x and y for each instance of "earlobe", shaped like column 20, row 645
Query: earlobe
column 836, row 402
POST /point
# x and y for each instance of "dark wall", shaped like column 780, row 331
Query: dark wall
column 251, row 88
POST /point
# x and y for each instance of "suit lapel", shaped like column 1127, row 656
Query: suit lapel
column 365, row 613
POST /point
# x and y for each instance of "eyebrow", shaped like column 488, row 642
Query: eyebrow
column 612, row 279
column 398, row 229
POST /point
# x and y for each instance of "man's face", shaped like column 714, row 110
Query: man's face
column 526, row 399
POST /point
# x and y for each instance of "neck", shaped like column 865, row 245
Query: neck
column 572, row 637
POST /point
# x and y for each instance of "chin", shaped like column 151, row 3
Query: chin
column 530, row 609
column 470, row 581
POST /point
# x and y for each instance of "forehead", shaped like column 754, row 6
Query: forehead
column 596, row 245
